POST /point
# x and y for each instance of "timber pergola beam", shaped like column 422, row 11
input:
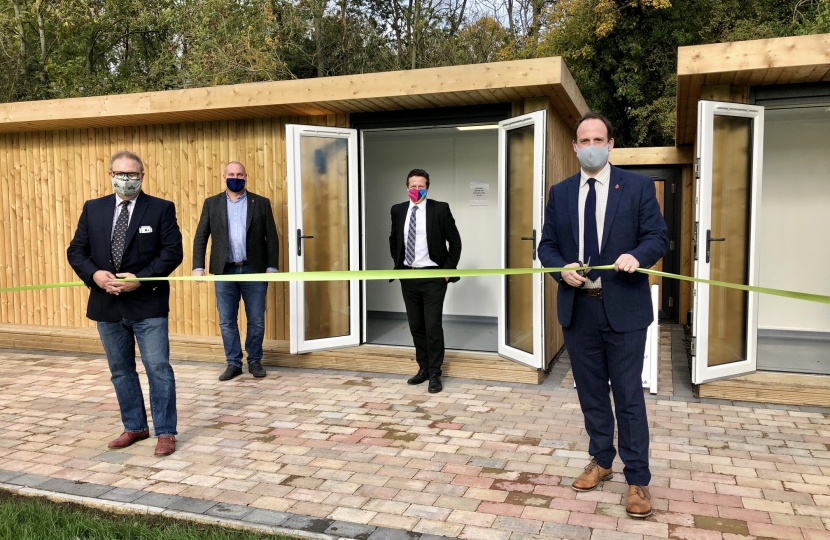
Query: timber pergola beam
column 789, row 60
column 498, row 82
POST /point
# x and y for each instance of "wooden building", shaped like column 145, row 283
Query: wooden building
column 330, row 154
column 753, row 119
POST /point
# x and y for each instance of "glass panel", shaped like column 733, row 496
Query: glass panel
column 324, row 164
column 519, row 223
column 729, row 260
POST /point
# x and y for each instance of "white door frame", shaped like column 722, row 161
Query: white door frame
column 707, row 110
column 293, row 134
column 538, row 120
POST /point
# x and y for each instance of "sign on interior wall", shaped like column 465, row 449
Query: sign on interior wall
column 479, row 194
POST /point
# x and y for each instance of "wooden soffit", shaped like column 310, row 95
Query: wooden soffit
column 498, row 82
column 788, row 60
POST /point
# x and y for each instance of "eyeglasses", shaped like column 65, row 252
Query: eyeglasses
column 129, row 175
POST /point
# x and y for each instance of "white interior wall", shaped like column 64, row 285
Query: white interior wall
column 795, row 217
column 453, row 159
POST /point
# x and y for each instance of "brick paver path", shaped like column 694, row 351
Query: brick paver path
column 478, row 461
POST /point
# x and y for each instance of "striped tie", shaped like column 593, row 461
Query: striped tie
column 410, row 239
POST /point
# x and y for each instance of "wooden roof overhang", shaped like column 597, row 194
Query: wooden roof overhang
column 499, row 82
column 789, row 60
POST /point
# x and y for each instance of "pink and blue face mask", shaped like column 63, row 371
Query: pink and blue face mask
column 416, row 194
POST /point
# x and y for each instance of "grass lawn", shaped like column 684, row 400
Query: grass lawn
column 30, row 518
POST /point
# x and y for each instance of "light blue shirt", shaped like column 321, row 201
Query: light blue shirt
column 237, row 227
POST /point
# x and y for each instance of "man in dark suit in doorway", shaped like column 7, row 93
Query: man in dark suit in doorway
column 424, row 236
column 244, row 242
column 609, row 216
column 126, row 235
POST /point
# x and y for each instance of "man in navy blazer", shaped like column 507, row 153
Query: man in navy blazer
column 612, row 217
column 132, row 234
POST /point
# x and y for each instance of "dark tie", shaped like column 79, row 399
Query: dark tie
column 410, row 238
column 119, row 235
column 590, row 243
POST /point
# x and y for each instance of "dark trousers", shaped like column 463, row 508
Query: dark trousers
column 598, row 354
column 424, row 299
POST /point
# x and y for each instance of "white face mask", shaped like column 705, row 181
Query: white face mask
column 125, row 186
column 592, row 157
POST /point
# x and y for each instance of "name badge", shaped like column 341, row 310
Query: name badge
column 145, row 229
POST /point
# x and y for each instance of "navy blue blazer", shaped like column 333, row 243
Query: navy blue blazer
column 633, row 224
column 153, row 249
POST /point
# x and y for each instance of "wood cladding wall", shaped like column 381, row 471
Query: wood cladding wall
column 46, row 176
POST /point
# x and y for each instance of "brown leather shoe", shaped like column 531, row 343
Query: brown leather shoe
column 128, row 438
column 166, row 445
column 590, row 479
column 639, row 502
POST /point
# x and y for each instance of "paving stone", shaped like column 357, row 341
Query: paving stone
column 561, row 530
column 28, row 480
column 124, row 495
column 189, row 504
column 5, row 476
column 159, row 500
column 113, row 457
column 384, row 533
column 306, row 523
column 230, row 511
column 268, row 517
column 350, row 530
column 81, row 489
column 723, row 525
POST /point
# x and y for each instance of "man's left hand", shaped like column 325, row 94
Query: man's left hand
column 626, row 263
column 125, row 286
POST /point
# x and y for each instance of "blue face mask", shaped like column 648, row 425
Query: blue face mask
column 235, row 184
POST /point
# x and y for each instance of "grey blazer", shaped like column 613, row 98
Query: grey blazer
column 261, row 242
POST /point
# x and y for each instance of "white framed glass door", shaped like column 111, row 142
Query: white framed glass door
column 730, row 140
column 522, row 189
column 322, row 236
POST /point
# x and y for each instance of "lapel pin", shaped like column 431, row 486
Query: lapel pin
column 617, row 186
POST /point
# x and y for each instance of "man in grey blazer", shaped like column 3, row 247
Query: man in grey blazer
column 244, row 242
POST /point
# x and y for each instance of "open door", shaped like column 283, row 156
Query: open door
column 522, row 189
column 322, row 236
column 729, row 162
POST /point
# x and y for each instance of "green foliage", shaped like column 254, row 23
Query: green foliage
column 37, row 519
column 623, row 53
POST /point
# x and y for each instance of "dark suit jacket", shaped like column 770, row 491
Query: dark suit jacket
column 441, row 230
column 146, row 254
column 261, row 243
column 633, row 224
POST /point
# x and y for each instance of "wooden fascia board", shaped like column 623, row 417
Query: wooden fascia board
column 232, row 101
column 740, row 60
column 659, row 155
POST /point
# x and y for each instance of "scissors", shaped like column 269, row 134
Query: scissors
column 587, row 268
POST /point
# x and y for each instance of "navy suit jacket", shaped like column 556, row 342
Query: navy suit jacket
column 441, row 233
column 153, row 253
column 633, row 224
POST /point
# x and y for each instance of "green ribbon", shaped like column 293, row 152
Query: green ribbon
column 366, row 275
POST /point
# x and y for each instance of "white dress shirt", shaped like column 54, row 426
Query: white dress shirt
column 115, row 211
column 421, row 247
column 603, row 179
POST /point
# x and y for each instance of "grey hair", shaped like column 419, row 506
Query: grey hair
column 225, row 170
column 127, row 154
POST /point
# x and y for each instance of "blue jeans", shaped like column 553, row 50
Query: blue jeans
column 119, row 339
column 252, row 293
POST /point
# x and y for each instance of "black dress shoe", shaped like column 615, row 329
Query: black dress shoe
column 256, row 370
column 435, row 385
column 230, row 372
column 419, row 377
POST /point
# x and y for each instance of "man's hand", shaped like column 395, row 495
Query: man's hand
column 199, row 273
column 572, row 278
column 105, row 280
column 626, row 263
column 122, row 287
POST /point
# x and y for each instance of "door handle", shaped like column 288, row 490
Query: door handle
column 709, row 240
column 300, row 238
column 533, row 238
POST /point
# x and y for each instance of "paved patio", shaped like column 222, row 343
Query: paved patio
column 478, row 461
